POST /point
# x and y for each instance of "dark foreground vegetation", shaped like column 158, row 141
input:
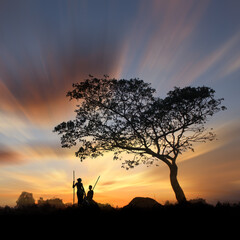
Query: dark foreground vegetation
column 197, row 220
column 189, row 211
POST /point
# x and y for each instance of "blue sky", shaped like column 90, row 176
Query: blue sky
column 45, row 46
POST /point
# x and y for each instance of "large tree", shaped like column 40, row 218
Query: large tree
column 125, row 116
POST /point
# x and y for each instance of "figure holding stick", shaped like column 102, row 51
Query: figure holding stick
column 80, row 190
column 90, row 193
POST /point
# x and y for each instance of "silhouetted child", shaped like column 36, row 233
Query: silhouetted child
column 80, row 190
column 90, row 193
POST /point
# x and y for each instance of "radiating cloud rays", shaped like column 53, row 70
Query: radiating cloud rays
column 194, row 69
column 162, row 37
column 45, row 55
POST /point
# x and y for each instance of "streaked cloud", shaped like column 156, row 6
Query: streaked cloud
column 165, row 37
column 196, row 69
column 9, row 157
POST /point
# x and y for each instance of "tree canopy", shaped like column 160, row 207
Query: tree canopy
column 123, row 115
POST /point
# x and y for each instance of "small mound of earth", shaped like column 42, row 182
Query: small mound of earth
column 143, row 202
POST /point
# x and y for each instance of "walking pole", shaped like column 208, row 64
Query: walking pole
column 73, row 187
column 96, row 182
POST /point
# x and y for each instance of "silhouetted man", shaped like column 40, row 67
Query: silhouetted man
column 80, row 190
column 90, row 193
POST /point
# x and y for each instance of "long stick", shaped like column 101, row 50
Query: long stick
column 73, row 187
column 96, row 182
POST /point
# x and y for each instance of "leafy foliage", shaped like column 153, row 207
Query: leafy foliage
column 125, row 116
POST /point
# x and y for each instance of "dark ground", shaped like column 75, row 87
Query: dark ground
column 191, row 221
column 198, row 214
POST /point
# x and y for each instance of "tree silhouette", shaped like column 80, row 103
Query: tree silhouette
column 125, row 116
column 25, row 200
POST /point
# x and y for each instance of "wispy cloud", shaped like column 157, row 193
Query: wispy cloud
column 161, row 38
column 222, row 57
column 9, row 157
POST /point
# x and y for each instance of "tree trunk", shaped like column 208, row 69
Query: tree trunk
column 180, row 196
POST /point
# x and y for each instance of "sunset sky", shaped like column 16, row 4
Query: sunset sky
column 45, row 46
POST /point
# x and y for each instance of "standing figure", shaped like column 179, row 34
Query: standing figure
column 80, row 190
